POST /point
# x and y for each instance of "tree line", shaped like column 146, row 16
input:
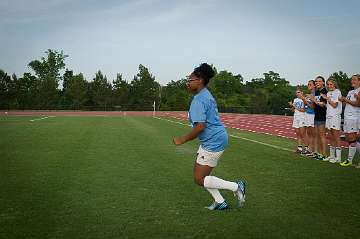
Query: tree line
column 51, row 86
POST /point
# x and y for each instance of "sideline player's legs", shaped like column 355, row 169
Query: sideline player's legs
column 320, row 139
column 310, row 135
column 298, row 125
column 358, row 149
column 334, row 148
column 333, row 128
column 300, row 133
column 351, row 131
column 351, row 139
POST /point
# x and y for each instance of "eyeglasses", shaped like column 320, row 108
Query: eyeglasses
column 190, row 80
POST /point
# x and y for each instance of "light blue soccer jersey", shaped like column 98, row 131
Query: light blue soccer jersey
column 203, row 108
column 308, row 109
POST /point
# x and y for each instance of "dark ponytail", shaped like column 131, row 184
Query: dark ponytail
column 205, row 72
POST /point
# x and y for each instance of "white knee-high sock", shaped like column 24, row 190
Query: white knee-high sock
column 218, row 183
column 332, row 152
column 215, row 193
column 358, row 147
column 338, row 154
column 352, row 151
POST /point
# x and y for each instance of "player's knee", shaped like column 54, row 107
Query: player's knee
column 199, row 180
column 352, row 143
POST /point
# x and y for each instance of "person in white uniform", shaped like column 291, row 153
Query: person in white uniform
column 333, row 120
column 298, row 107
column 351, row 117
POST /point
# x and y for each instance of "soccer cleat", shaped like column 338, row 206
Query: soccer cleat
column 333, row 160
column 346, row 163
column 315, row 155
column 319, row 157
column 311, row 155
column 240, row 193
column 305, row 152
column 218, row 206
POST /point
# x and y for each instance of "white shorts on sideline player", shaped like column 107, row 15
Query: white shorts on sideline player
column 333, row 122
column 351, row 126
column 309, row 120
column 208, row 158
column 299, row 121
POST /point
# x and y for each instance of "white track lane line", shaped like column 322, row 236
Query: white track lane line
column 234, row 136
column 41, row 118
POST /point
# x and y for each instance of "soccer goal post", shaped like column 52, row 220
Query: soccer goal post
column 154, row 108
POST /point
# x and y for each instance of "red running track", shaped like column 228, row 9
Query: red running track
column 267, row 124
column 277, row 125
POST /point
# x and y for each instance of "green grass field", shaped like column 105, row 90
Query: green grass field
column 121, row 177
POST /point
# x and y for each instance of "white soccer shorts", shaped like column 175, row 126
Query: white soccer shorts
column 333, row 122
column 351, row 126
column 208, row 158
column 309, row 120
column 299, row 121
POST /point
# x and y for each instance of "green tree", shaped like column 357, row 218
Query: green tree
column 26, row 91
column 175, row 96
column 227, row 89
column 48, row 73
column 269, row 94
column 120, row 92
column 144, row 90
column 7, row 91
column 343, row 82
column 101, row 91
column 75, row 90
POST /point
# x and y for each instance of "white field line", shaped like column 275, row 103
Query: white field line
column 235, row 136
column 46, row 117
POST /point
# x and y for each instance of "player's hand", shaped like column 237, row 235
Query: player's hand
column 178, row 141
column 312, row 97
column 324, row 96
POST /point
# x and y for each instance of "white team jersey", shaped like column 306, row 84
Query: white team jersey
column 334, row 97
column 352, row 112
column 298, row 105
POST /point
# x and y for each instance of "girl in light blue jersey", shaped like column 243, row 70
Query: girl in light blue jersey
column 309, row 120
column 208, row 128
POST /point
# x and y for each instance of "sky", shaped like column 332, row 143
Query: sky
column 299, row 39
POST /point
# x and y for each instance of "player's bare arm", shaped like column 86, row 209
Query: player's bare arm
column 351, row 102
column 312, row 102
column 199, row 127
column 332, row 103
